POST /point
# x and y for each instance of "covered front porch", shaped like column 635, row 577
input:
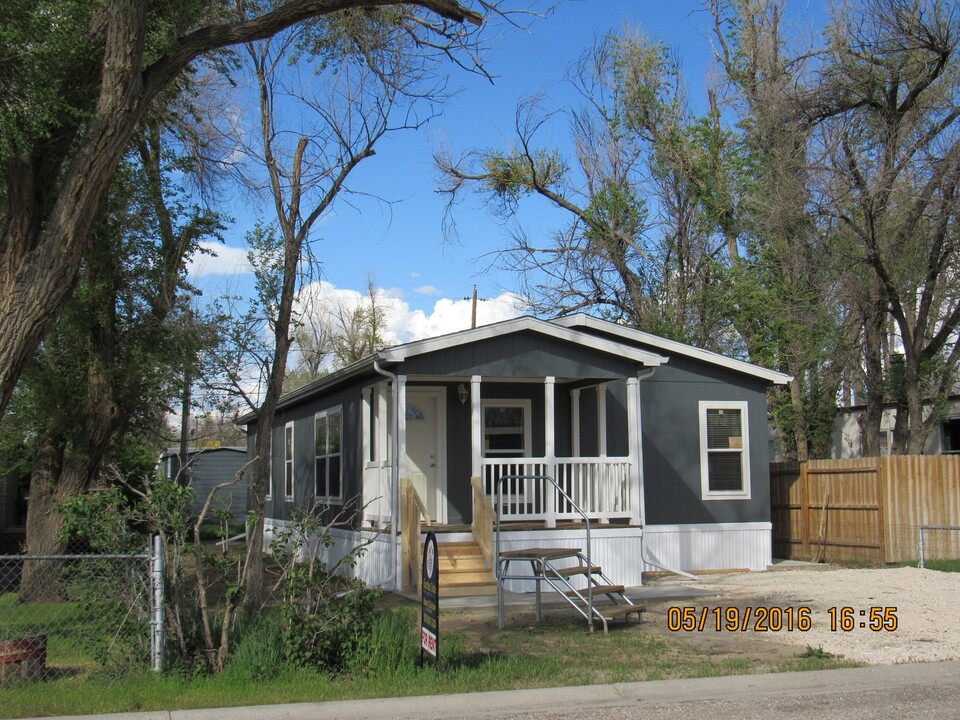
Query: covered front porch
column 582, row 432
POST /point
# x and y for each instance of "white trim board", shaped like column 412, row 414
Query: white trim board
column 672, row 346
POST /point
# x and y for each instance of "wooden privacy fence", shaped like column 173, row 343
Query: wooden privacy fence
column 865, row 509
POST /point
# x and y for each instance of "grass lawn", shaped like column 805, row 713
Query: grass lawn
column 475, row 654
column 941, row 565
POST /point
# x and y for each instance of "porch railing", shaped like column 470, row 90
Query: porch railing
column 376, row 495
column 483, row 520
column 601, row 487
column 412, row 510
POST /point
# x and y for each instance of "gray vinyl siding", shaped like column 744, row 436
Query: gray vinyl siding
column 211, row 468
column 303, row 417
column 671, row 444
column 521, row 355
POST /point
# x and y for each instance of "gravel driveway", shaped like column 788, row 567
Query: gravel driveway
column 927, row 606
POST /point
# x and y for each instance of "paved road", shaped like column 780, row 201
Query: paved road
column 894, row 692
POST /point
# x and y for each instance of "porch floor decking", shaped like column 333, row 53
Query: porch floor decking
column 525, row 526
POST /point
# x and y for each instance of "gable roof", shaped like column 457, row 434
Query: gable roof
column 399, row 353
column 604, row 337
column 604, row 327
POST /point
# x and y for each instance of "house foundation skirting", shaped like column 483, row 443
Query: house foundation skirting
column 710, row 546
column 373, row 565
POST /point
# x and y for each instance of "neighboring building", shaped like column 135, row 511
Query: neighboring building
column 207, row 468
column 848, row 439
column 663, row 445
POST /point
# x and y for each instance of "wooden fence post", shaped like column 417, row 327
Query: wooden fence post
column 805, row 512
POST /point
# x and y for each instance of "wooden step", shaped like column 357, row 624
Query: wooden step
column 467, row 589
column 467, row 562
column 459, row 549
column 577, row 570
column 538, row 553
column 598, row 590
column 611, row 612
column 462, row 577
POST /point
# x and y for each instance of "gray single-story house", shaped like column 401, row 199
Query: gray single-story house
column 206, row 468
column 662, row 445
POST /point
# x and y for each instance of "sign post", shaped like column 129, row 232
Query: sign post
column 430, row 600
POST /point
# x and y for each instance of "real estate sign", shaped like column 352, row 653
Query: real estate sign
column 430, row 599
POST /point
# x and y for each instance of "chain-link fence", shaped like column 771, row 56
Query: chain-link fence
column 938, row 546
column 67, row 615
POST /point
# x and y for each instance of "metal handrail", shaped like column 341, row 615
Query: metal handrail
column 576, row 507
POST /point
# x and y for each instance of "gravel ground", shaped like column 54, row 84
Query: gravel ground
column 926, row 602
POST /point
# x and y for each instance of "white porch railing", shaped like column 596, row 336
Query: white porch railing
column 376, row 495
column 602, row 487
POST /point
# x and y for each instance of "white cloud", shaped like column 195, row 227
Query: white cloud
column 427, row 290
column 218, row 260
column 406, row 325
column 449, row 316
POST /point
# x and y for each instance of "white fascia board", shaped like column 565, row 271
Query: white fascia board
column 542, row 327
column 673, row 347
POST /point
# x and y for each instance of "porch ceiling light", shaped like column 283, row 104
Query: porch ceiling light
column 463, row 393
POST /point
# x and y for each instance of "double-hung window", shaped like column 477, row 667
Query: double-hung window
column 288, row 464
column 724, row 450
column 506, row 428
column 328, row 482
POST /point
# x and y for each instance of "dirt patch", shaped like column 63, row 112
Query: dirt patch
column 923, row 601
column 927, row 624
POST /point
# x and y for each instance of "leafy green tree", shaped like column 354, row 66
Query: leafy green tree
column 77, row 80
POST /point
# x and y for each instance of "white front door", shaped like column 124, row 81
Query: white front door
column 426, row 460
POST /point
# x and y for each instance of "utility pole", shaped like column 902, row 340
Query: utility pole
column 473, row 309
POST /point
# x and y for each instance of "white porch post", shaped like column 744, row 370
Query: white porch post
column 602, row 420
column 575, row 421
column 550, row 447
column 401, row 391
column 636, row 449
column 476, row 429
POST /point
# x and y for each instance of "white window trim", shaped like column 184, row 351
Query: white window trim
column 293, row 461
column 377, row 407
column 527, row 406
column 705, row 491
column 328, row 499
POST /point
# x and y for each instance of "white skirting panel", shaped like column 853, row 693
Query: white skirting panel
column 373, row 565
column 617, row 550
column 678, row 547
column 714, row 546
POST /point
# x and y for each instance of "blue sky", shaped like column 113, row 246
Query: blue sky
column 402, row 245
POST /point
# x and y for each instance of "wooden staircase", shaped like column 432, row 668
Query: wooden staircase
column 464, row 570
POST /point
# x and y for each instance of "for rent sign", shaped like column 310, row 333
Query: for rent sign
column 430, row 599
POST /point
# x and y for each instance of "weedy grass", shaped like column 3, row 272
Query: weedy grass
column 474, row 656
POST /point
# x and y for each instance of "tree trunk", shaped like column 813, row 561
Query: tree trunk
column 801, row 440
column 40, row 581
